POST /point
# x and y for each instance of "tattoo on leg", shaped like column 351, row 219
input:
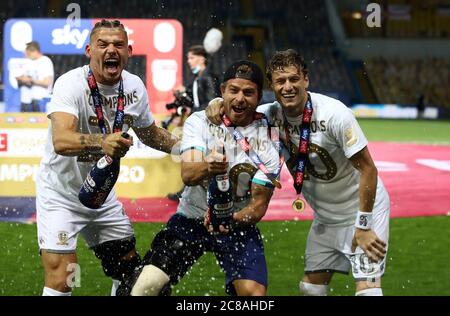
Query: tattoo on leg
column 82, row 140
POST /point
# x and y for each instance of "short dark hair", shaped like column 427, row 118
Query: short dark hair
column 245, row 69
column 112, row 24
column 286, row 58
column 198, row 50
column 33, row 46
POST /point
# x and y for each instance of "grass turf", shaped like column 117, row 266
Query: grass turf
column 417, row 261
column 414, row 131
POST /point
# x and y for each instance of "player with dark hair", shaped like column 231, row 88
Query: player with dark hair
column 188, row 235
column 89, row 103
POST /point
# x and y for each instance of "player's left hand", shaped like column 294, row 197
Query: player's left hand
column 369, row 242
column 222, row 230
column 210, row 228
column 215, row 110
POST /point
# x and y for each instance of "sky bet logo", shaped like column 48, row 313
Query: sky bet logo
column 3, row 142
column 68, row 35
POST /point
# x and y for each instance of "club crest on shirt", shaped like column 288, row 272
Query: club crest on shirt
column 351, row 137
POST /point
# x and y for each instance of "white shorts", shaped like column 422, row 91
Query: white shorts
column 58, row 224
column 328, row 248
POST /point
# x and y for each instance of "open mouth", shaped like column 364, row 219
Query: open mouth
column 238, row 110
column 111, row 64
column 289, row 96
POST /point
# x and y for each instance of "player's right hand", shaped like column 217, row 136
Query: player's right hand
column 215, row 110
column 217, row 163
column 115, row 145
column 369, row 242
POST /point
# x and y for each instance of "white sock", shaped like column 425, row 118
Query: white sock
column 308, row 289
column 115, row 285
column 375, row 291
column 51, row 292
column 150, row 282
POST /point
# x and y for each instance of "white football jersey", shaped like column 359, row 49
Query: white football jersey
column 331, row 186
column 63, row 175
column 200, row 134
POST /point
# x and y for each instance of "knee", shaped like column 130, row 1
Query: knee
column 249, row 288
column 172, row 255
column 58, row 284
column 309, row 289
column 164, row 264
column 151, row 282
column 58, row 270
column 118, row 257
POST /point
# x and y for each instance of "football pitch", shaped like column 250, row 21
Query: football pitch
column 418, row 261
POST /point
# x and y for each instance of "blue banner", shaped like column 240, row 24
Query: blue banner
column 55, row 36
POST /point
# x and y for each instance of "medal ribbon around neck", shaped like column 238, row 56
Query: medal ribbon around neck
column 303, row 146
column 242, row 141
column 97, row 99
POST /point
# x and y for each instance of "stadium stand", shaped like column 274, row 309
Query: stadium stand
column 403, row 19
column 397, row 80
column 18, row 8
column 305, row 27
column 197, row 18
column 255, row 29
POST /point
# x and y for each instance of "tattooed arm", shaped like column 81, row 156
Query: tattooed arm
column 68, row 142
column 158, row 138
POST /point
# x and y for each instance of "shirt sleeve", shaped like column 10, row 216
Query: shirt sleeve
column 145, row 119
column 46, row 69
column 271, row 160
column 261, row 179
column 348, row 133
column 65, row 97
column 194, row 134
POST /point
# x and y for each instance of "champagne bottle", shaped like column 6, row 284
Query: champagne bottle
column 220, row 201
column 100, row 181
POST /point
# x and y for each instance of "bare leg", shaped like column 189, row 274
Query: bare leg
column 315, row 284
column 249, row 288
column 368, row 288
column 56, row 270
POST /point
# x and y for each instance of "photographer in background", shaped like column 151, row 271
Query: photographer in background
column 183, row 108
column 197, row 95
column 205, row 85
column 203, row 88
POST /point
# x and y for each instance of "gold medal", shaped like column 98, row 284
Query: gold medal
column 298, row 205
column 276, row 183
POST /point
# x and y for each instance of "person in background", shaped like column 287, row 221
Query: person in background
column 24, row 84
column 41, row 77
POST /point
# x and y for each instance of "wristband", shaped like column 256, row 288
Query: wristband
column 363, row 220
